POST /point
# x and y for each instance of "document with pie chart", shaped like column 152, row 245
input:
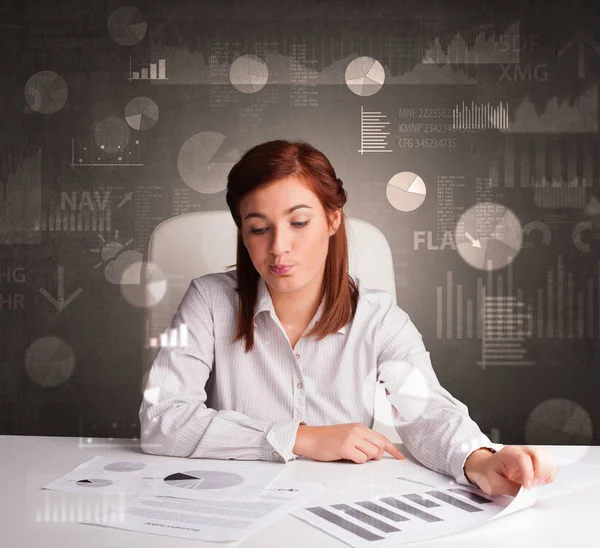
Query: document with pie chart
column 200, row 479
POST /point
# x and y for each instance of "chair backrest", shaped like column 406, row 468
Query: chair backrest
column 199, row 243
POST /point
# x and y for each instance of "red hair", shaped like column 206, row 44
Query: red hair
column 265, row 164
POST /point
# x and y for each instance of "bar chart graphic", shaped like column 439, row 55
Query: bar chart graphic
column 57, row 220
column 480, row 116
column 372, row 136
column 155, row 70
column 395, row 518
column 175, row 337
column 557, row 310
column 559, row 169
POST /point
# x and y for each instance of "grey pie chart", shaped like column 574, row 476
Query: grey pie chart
column 127, row 25
column 204, row 479
column 124, row 466
column 46, row 92
column 141, row 113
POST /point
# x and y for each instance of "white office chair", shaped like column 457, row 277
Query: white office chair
column 194, row 244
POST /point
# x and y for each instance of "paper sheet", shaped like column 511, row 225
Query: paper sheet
column 570, row 477
column 401, row 517
column 197, row 479
column 227, row 520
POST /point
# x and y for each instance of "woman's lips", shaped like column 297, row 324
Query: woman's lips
column 281, row 271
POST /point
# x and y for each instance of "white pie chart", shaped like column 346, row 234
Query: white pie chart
column 488, row 236
column 406, row 191
column 364, row 76
column 248, row 74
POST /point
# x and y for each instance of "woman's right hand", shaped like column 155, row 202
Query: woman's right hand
column 352, row 441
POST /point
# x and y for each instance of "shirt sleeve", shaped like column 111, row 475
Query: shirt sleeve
column 434, row 426
column 174, row 418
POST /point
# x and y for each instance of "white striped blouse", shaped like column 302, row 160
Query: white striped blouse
column 210, row 399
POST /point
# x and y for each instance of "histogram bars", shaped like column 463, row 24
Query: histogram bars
column 564, row 316
column 480, row 116
column 560, row 312
column 523, row 161
column 155, row 71
column 69, row 221
column 372, row 136
column 173, row 337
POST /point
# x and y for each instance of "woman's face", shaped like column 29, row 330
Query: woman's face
column 278, row 232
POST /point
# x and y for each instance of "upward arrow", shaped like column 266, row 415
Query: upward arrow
column 581, row 39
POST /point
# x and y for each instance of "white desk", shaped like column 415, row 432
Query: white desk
column 27, row 463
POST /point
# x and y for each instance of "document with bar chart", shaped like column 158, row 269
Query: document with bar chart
column 398, row 518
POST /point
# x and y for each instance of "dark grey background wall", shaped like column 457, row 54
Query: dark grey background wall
column 467, row 134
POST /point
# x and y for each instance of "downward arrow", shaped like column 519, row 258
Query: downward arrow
column 473, row 240
column 61, row 303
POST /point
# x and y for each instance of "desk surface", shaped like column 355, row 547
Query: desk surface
column 27, row 463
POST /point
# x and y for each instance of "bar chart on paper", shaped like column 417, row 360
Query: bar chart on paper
column 400, row 518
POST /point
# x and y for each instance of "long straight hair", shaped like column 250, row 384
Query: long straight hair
column 267, row 163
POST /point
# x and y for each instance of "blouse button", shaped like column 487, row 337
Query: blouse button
column 299, row 385
column 297, row 355
column 276, row 454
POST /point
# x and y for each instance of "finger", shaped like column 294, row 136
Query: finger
column 369, row 449
column 542, row 463
column 524, row 464
column 383, row 443
column 393, row 450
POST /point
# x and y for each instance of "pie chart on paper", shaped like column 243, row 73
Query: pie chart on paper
column 127, row 466
column 406, row 191
column 365, row 76
column 141, row 113
column 204, row 479
column 249, row 73
column 94, row 483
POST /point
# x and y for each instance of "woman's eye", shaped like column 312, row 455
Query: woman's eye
column 260, row 231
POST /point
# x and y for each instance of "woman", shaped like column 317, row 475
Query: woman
column 285, row 351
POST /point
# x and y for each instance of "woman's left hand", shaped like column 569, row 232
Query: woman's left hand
column 504, row 472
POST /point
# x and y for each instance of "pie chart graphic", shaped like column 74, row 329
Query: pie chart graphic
column 204, row 479
column 127, row 25
column 365, row 76
column 94, row 483
column 248, row 74
column 49, row 361
column 46, row 92
column 141, row 113
column 143, row 284
column 205, row 160
column 559, row 421
column 406, row 191
column 488, row 236
column 126, row 466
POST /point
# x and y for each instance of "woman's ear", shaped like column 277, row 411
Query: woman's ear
column 335, row 219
